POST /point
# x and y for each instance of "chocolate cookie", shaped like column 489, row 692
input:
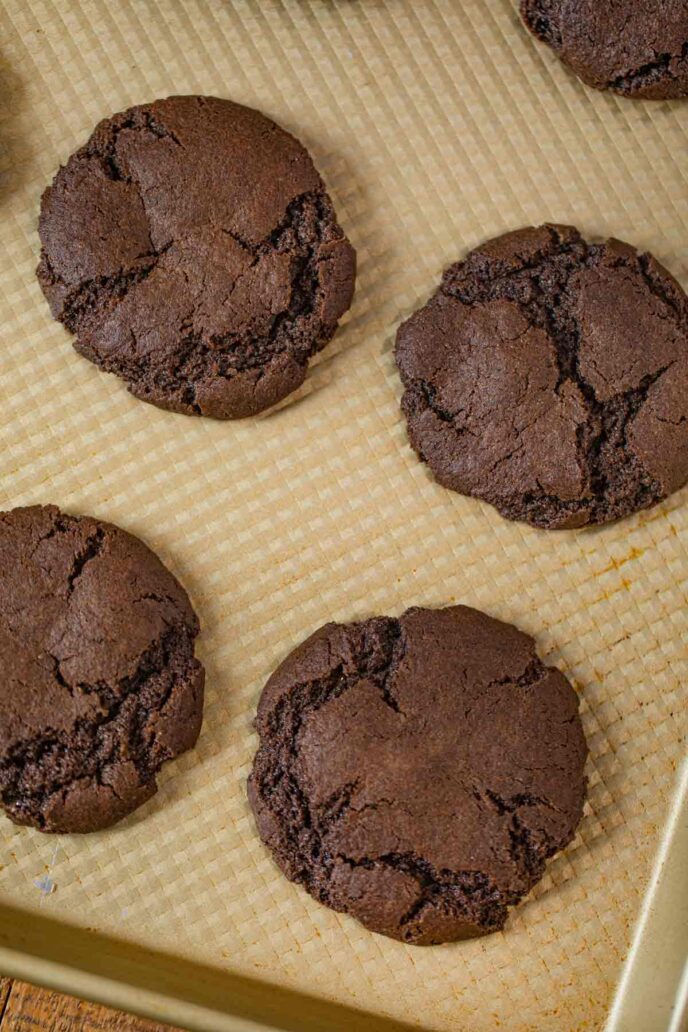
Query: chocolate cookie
column 549, row 377
column 191, row 247
column 100, row 686
column 417, row 773
column 637, row 48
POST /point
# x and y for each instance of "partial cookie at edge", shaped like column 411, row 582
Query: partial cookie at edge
column 100, row 683
column 549, row 377
column 637, row 50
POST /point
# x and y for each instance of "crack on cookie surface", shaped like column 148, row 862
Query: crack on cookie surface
column 39, row 769
column 198, row 359
column 545, row 288
column 466, row 896
column 115, row 711
column 541, row 18
column 174, row 358
column 634, row 49
column 313, row 840
column 650, row 75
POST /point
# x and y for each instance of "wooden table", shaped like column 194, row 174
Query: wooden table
column 26, row 1008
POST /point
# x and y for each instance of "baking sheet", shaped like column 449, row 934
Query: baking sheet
column 435, row 124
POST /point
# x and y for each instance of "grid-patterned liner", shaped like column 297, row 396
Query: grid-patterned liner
column 435, row 124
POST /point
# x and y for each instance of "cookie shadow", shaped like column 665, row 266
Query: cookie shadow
column 357, row 207
column 598, row 829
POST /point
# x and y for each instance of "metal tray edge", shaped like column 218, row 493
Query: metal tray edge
column 652, row 993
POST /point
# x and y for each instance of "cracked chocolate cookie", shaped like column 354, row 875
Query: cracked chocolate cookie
column 100, row 685
column 636, row 48
column 549, row 377
column 417, row 773
column 191, row 247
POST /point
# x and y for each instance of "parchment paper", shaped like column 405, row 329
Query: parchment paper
column 435, row 124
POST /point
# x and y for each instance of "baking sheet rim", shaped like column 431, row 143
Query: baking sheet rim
column 121, row 995
column 655, row 919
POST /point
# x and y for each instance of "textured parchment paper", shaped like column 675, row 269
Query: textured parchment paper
column 436, row 124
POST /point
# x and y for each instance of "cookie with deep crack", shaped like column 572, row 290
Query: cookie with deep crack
column 100, row 685
column 192, row 248
column 636, row 48
column 549, row 377
column 417, row 773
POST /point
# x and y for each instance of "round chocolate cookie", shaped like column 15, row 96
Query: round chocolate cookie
column 100, row 685
column 549, row 377
column 191, row 247
column 637, row 48
column 417, row 773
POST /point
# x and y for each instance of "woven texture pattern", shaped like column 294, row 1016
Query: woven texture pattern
column 435, row 125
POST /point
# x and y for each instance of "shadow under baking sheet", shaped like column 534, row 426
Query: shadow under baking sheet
column 107, row 970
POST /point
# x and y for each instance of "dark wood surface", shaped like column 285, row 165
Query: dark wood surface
column 26, row 1008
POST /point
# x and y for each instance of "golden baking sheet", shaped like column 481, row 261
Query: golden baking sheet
column 435, row 124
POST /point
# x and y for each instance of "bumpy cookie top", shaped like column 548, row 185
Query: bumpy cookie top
column 417, row 773
column 100, row 685
column 549, row 377
column 637, row 48
column 191, row 246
